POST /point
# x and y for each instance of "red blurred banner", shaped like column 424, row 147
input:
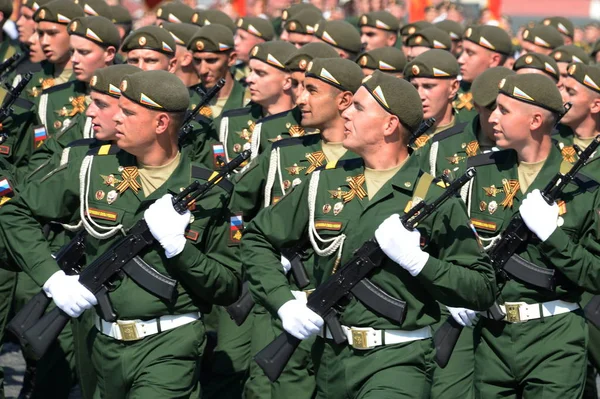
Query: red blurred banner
column 416, row 10
column 495, row 7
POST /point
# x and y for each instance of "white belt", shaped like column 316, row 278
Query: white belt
column 367, row 337
column 133, row 330
column 518, row 312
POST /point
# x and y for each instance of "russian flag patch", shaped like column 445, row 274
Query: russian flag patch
column 39, row 135
column 236, row 226
column 5, row 188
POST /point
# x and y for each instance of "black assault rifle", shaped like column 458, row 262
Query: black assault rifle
column 328, row 298
column 423, row 127
column 10, row 64
column 11, row 97
column 98, row 275
column 186, row 127
column 505, row 261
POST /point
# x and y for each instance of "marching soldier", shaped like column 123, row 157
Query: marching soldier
column 456, row 32
column 122, row 20
column 342, row 35
column 182, row 34
column 411, row 29
column 541, row 39
column 484, row 47
column 150, row 48
column 290, row 12
column 174, row 12
column 564, row 55
column 122, row 188
column 343, row 207
column 564, row 26
column 301, row 27
column 250, row 32
column 385, row 59
column 299, row 60
column 426, row 39
column 378, row 29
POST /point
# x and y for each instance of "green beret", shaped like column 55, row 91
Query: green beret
column 295, row 9
column 430, row 37
column 303, row 22
column 6, row 6
column 540, row 62
column 386, row 59
column 543, row 36
column 108, row 80
column 414, row 27
column 274, row 53
column 485, row 86
column 34, row 4
column 59, row 11
column 258, row 27
column 595, row 48
column 338, row 72
column 175, row 12
column 453, row 28
column 300, row 58
column 587, row 75
column 562, row 24
column 120, row 15
column 182, row 32
column 99, row 30
column 381, row 20
column 151, row 38
column 340, row 34
column 489, row 37
column 209, row 17
column 95, row 8
column 436, row 64
column 533, row 89
column 570, row 53
column 396, row 96
column 156, row 90
column 212, row 39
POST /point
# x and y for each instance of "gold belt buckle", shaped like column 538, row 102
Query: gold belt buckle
column 128, row 330
column 512, row 313
column 359, row 338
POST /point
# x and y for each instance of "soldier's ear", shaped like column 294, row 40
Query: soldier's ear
column 344, row 100
column 595, row 106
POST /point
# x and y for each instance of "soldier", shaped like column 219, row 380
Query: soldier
column 385, row 59
column 564, row 26
column 564, row 55
column 540, row 64
column 299, row 60
column 287, row 14
column 250, row 32
column 174, row 12
column 541, row 39
column 151, row 48
column 456, row 32
column 342, row 36
column 426, row 39
column 483, row 47
column 547, row 321
column 212, row 16
column 412, row 28
column 152, row 106
column 95, row 8
column 277, row 172
column 122, row 20
column 301, row 27
column 378, row 29
column 182, row 34
column 377, row 127
column 271, row 102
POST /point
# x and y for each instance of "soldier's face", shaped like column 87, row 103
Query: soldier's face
column 510, row 123
column 150, row 60
column 297, row 85
column 87, row 56
column 415, row 51
column 436, row 95
column 134, row 126
column 318, row 103
column 102, row 110
column 300, row 39
column 25, row 24
column 584, row 102
column 244, row 42
column 35, row 48
column 266, row 83
column 55, row 42
column 211, row 67
column 474, row 60
column 372, row 38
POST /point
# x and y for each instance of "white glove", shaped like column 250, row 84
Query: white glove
column 299, row 320
column 400, row 245
column 285, row 262
column 539, row 217
column 464, row 317
column 69, row 294
column 167, row 225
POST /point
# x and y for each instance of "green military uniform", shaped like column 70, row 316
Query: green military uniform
column 258, row 27
column 524, row 354
column 158, row 369
column 18, row 141
column 333, row 208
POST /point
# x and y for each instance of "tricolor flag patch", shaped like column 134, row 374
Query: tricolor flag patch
column 381, row 25
column 439, row 72
column 218, row 155
column 62, row 19
column 327, row 37
column 438, row 44
column 236, row 225
column 549, row 68
column 89, row 10
column 223, row 47
column 378, row 92
column 384, row 66
column 325, row 74
column 589, row 82
column 173, row 18
column 92, row 35
column 540, row 42
column 166, row 47
column 144, row 99
column 112, row 89
column 254, row 31
column 577, row 59
column 521, row 94
column 485, row 43
column 39, row 134
column 177, row 40
column 274, row 61
column 5, row 188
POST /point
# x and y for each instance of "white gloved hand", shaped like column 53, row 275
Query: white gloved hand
column 167, row 225
column 400, row 245
column 299, row 320
column 69, row 294
column 539, row 217
column 285, row 262
column 464, row 317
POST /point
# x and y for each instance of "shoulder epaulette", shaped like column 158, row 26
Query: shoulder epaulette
column 236, row 112
column 489, row 158
column 274, row 116
column 456, row 129
column 291, row 141
column 22, row 103
column 106, row 149
column 205, row 174
column 585, row 182
column 59, row 87
column 344, row 163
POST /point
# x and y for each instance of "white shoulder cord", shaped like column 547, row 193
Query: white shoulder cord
column 87, row 128
column 84, row 188
column 274, row 169
column 255, row 140
column 42, row 111
column 336, row 243
column 223, row 134
column 433, row 152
